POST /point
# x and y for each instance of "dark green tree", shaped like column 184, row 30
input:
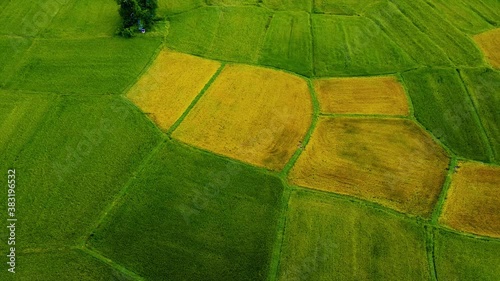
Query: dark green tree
column 136, row 14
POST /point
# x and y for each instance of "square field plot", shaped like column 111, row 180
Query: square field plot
column 191, row 215
column 335, row 239
column 169, row 86
column 253, row 114
column 363, row 95
column 389, row 161
column 472, row 203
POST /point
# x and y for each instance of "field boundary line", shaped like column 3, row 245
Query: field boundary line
column 83, row 241
column 280, row 232
column 448, row 150
column 109, row 262
column 41, row 124
column 361, row 202
column 477, row 117
column 313, row 47
column 195, row 100
column 17, row 67
column 259, row 169
column 314, row 121
column 145, row 69
column 438, row 208
column 406, row 91
column 431, row 259
column 365, row 116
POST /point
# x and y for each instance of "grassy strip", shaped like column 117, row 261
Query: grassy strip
column 442, row 197
column 114, row 265
column 193, row 103
column 280, row 233
column 370, row 116
column 429, row 244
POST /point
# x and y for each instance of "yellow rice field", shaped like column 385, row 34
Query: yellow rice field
column 389, row 161
column 252, row 114
column 472, row 202
column 362, row 95
column 170, row 85
column 489, row 42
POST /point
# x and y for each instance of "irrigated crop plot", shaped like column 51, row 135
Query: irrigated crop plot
column 467, row 18
column 483, row 85
column 20, row 117
column 442, row 104
column 194, row 216
column 409, row 37
column 81, row 155
column 253, row 114
column 472, row 202
column 166, row 90
column 90, row 66
column 464, row 258
column 459, row 48
column 389, row 161
column 344, row 46
column 336, row 239
column 288, row 43
column 363, row 95
column 82, row 18
column 13, row 50
column 232, row 33
column 490, row 44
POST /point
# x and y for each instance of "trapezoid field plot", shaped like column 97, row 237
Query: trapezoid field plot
column 472, row 204
column 389, row 161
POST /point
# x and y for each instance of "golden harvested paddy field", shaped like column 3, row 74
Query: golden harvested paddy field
column 389, row 161
column 472, row 203
column 170, row 85
column 489, row 42
column 362, row 95
column 252, row 114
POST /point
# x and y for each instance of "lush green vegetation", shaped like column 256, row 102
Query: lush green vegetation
column 84, row 66
column 84, row 18
column 194, row 216
column 335, row 239
column 95, row 176
column 63, row 265
column 442, row 105
column 465, row 17
column 464, row 258
column 288, row 43
column 483, row 85
column 402, row 30
column 137, row 15
column 459, row 48
column 71, row 168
